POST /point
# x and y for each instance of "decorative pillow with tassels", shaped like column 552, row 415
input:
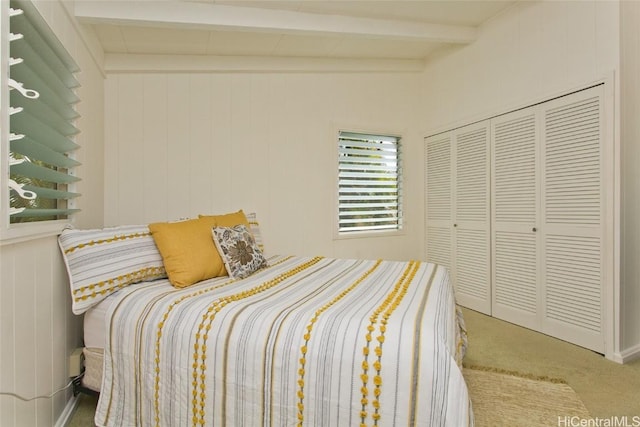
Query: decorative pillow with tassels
column 101, row 261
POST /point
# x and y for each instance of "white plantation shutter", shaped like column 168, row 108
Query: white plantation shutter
column 369, row 182
column 41, row 106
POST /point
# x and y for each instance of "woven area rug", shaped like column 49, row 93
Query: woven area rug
column 502, row 398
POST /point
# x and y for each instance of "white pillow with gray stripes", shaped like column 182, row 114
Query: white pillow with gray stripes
column 101, row 261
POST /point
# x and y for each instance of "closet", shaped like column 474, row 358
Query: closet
column 517, row 207
column 458, row 214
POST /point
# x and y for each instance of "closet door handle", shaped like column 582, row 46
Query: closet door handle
column 455, row 225
column 534, row 229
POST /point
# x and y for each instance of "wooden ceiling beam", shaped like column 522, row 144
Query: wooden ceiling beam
column 209, row 16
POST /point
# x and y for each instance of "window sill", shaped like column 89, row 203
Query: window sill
column 18, row 233
column 367, row 234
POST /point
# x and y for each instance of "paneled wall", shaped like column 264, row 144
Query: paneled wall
column 37, row 329
column 178, row 145
column 530, row 52
column 630, row 155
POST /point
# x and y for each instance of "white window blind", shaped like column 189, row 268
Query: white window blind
column 369, row 182
column 42, row 114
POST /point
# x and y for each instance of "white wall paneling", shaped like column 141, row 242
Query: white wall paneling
column 182, row 144
column 531, row 52
column 629, row 318
column 37, row 332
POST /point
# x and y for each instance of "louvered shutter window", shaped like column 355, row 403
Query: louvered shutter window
column 42, row 114
column 369, row 182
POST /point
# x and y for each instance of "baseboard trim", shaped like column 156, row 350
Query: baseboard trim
column 627, row 355
column 68, row 411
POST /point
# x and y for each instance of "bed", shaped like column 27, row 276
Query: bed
column 300, row 341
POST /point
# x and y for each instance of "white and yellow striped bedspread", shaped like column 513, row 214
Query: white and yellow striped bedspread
column 307, row 341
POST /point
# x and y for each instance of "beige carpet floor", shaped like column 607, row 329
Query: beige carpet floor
column 606, row 389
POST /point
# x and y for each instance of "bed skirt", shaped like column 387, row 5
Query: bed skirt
column 93, row 362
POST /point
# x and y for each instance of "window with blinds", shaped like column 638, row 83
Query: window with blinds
column 41, row 100
column 369, row 182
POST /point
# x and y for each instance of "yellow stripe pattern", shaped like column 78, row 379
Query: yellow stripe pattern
column 110, row 285
column 103, row 241
column 165, row 316
column 388, row 306
column 200, row 347
column 307, row 337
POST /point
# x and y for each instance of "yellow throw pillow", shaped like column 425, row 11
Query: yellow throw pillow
column 188, row 252
column 187, row 248
column 228, row 220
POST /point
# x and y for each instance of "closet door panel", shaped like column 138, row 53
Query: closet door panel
column 572, row 280
column 457, row 211
column 439, row 200
column 515, row 295
column 439, row 246
column 572, row 175
column 515, row 211
column 573, row 202
column 472, row 269
column 472, row 247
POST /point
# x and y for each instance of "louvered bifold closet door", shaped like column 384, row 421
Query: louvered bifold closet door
column 471, row 217
column 515, row 213
column 573, row 209
column 438, row 200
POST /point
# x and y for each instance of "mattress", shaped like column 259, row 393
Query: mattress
column 94, row 324
column 307, row 341
column 94, row 338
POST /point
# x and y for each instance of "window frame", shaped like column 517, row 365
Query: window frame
column 22, row 231
column 371, row 233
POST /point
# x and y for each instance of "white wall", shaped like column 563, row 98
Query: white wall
column 531, row 51
column 37, row 329
column 630, row 155
column 178, row 145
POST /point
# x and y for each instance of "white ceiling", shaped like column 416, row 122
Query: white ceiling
column 357, row 29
